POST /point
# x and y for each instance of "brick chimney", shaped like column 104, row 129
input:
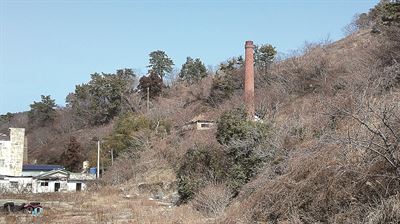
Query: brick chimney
column 249, row 79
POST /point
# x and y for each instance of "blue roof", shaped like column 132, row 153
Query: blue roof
column 29, row 167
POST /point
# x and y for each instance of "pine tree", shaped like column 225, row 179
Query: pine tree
column 193, row 70
column 72, row 156
column 160, row 63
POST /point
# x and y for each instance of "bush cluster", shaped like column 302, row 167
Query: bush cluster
column 242, row 151
column 130, row 133
column 202, row 164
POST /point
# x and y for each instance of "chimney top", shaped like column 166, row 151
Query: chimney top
column 249, row 43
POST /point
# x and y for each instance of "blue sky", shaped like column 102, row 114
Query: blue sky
column 47, row 47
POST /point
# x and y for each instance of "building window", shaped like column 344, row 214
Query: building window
column 205, row 125
column 2, row 163
column 14, row 184
column 44, row 184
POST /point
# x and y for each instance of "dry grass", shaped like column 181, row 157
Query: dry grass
column 212, row 199
column 310, row 101
column 105, row 206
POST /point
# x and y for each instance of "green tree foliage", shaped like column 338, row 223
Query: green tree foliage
column 385, row 13
column 101, row 99
column 72, row 157
column 131, row 131
column 232, row 64
column 124, row 136
column 233, row 125
column 244, row 149
column 246, row 145
column 159, row 63
column 42, row 113
column 264, row 55
column 228, row 79
column 193, row 70
column 201, row 165
column 153, row 83
column 6, row 118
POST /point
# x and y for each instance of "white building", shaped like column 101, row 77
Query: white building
column 12, row 152
column 18, row 178
column 200, row 122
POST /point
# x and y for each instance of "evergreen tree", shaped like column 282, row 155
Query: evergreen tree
column 43, row 112
column 193, row 70
column 159, row 63
column 101, row 99
column 72, row 157
column 264, row 55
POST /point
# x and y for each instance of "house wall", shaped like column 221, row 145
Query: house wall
column 5, row 148
column 16, row 185
column 12, row 152
column 67, row 181
column 204, row 125
column 72, row 185
column 51, row 186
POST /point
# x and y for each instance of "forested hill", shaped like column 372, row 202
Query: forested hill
column 328, row 149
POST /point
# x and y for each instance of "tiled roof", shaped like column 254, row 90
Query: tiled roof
column 30, row 167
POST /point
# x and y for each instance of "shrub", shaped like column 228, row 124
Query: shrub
column 246, row 146
column 234, row 126
column 212, row 199
column 221, row 89
column 201, row 165
column 386, row 212
column 131, row 132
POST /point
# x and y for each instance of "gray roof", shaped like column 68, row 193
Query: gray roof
column 4, row 137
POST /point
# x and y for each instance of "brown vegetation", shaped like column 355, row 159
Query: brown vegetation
column 333, row 146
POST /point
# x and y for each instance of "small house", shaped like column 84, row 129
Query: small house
column 200, row 122
column 61, row 181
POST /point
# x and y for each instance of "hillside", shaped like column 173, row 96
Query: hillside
column 327, row 151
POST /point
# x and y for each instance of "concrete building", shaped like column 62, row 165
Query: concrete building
column 11, row 153
column 200, row 122
column 51, row 181
column 17, row 177
column 31, row 170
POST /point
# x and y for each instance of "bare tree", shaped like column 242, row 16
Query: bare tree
column 377, row 129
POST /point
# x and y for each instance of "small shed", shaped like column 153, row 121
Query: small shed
column 52, row 181
column 200, row 122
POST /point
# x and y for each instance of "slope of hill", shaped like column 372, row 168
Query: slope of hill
column 331, row 153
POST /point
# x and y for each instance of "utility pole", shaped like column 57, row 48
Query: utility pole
column 112, row 157
column 98, row 158
column 148, row 99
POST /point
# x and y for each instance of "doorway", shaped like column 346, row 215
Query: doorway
column 56, row 187
column 78, row 186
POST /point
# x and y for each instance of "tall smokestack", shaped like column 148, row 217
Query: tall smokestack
column 249, row 79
